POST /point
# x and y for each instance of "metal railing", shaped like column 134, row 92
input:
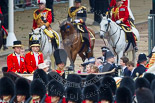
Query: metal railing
column 151, row 32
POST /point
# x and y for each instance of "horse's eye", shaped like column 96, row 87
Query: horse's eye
column 106, row 24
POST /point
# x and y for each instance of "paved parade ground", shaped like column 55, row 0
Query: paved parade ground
column 23, row 25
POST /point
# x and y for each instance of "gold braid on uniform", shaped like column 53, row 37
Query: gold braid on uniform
column 73, row 14
column 36, row 17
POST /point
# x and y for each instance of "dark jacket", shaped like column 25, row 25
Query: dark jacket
column 126, row 72
column 140, row 69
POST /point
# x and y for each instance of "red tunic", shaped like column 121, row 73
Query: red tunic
column 38, row 22
column 30, row 61
column 13, row 65
column 121, row 13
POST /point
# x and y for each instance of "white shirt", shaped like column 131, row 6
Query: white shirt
column 132, row 71
column 18, row 58
column 36, row 58
column 123, row 69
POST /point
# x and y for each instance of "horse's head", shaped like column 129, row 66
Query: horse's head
column 104, row 25
column 66, row 29
column 36, row 34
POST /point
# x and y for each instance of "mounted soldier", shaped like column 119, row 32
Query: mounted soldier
column 78, row 14
column 42, row 18
column 120, row 15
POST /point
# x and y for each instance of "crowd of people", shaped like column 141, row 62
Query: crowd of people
column 52, row 86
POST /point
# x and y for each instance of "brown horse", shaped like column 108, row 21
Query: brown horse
column 72, row 41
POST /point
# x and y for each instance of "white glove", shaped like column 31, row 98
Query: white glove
column 77, row 21
column 43, row 27
column 118, row 22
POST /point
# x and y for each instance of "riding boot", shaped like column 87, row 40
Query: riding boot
column 134, row 44
column 4, row 44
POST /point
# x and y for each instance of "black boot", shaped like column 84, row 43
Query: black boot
column 4, row 44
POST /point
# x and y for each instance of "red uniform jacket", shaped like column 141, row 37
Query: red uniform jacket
column 13, row 65
column 42, row 18
column 121, row 13
column 30, row 61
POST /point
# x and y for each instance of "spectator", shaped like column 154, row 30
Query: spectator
column 44, row 66
column 88, row 68
column 104, row 50
column 142, row 60
column 94, row 69
column 110, row 62
column 99, row 64
column 131, row 67
column 123, row 63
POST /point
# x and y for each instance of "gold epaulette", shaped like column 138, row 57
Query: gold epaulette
column 48, row 9
column 36, row 16
column 84, row 7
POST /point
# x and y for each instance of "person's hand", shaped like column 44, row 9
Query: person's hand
column 118, row 22
column 77, row 21
column 43, row 27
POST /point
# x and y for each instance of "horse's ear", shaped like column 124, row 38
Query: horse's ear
column 32, row 30
column 40, row 30
column 101, row 16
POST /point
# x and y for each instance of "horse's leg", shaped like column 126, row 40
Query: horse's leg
column 134, row 56
column 73, row 56
column 82, row 56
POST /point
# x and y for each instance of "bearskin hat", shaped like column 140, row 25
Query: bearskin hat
column 144, row 95
column 129, row 83
column 149, row 76
column 37, row 88
column 74, row 78
column 91, row 93
column 142, row 82
column 54, row 76
column 60, row 56
column 22, row 87
column 55, row 89
column 123, row 95
column 110, row 82
column 40, row 74
column 7, row 87
column 73, row 94
column 105, row 93
column 93, row 79
column 153, row 85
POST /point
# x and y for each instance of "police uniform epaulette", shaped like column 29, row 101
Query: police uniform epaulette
column 48, row 9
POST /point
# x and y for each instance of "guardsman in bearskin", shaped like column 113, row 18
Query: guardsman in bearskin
column 7, row 90
column 105, row 94
column 37, row 91
column 123, row 95
column 78, row 14
column 142, row 60
column 42, row 18
column 60, row 56
column 73, row 95
column 4, row 32
column 56, row 92
column 120, row 15
column 34, row 57
column 22, row 90
column 90, row 94
column 16, row 62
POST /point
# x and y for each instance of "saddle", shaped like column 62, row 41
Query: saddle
column 128, row 31
column 81, row 30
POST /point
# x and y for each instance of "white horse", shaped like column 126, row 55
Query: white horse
column 46, row 46
column 116, row 37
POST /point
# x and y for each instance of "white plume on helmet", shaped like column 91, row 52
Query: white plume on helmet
column 41, row 1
